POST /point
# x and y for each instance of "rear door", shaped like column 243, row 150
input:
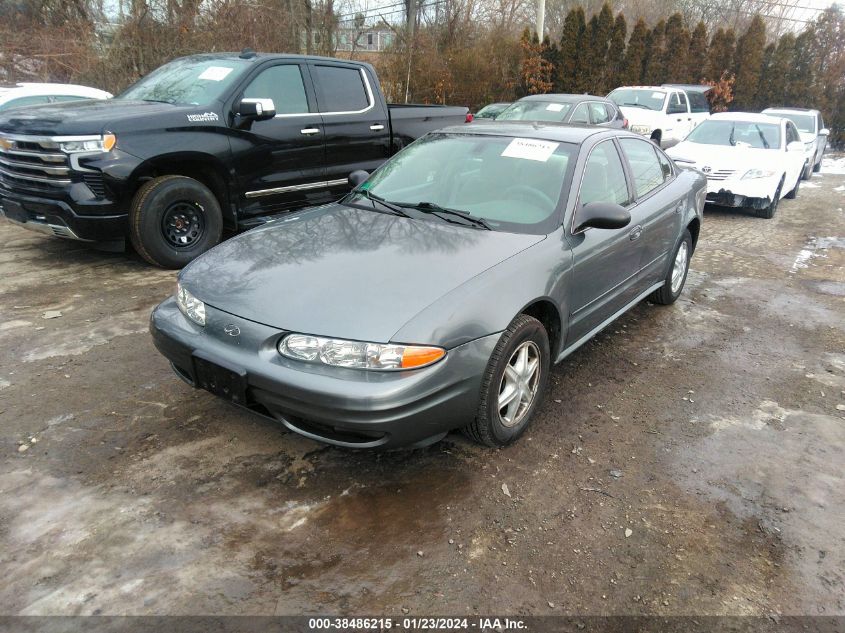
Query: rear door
column 605, row 261
column 280, row 161
column 657, row 206
column 355, row 120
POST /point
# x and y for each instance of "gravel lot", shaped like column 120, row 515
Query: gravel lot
column 688, row 460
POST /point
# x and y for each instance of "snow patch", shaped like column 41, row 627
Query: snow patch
column 815, row 244
column 833, row 165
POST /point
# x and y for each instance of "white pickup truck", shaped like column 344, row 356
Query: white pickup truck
column 665, row 114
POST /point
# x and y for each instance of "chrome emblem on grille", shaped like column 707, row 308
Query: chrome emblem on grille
column 232, row 330
column 706, row 170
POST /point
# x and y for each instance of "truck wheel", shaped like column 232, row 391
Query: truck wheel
column 768, row 212
column 675, row 279
column 174, row 219
column 513, row 385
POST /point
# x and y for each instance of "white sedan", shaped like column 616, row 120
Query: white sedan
column 750, row 160
column 32, row 94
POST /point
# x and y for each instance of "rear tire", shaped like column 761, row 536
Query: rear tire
column 673, row 284
column 499, row 421
column 817, row 167
column 174, row 219
column 768, row 212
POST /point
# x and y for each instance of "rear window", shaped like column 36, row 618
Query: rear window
column 340, row 89
column 535, row 111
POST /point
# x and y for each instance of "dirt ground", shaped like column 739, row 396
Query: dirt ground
column 689, row 460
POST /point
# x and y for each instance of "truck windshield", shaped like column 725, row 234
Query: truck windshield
column 638, row 98
column 535, row 111
column 513, row 184
column 187, row 81
column 737, row 133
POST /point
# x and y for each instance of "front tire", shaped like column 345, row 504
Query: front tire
column 793, row 193
column 513, row 385
column 808, row 171
column 673, row 284
column 817, row 167
column 174, row 219
column 768, row 212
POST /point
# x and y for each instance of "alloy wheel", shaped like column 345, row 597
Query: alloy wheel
column 520, row 381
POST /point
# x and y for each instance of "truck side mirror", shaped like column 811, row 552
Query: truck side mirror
column 357, row 177
column 256, row 109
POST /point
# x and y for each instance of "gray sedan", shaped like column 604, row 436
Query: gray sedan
column 565, row 108
column 437, row 295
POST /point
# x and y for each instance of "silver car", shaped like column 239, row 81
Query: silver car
column 437, row 295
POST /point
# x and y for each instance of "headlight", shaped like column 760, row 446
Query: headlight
column 758, row 173
column 641, row 129
column 77, row 144
column 190, row 306
column 356, row 354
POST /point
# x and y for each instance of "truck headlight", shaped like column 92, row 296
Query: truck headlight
column 357, row 354
column 76, row 144
column 641, row 129
column 190, row 306
column 758, row 173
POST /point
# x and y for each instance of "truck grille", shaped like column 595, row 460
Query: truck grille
column 33, row 162
column 720, row 174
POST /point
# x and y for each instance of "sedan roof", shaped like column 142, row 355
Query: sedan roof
column 563, row 98
column 559, row 132
column 749, row 117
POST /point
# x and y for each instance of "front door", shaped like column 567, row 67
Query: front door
column 281, row 161
column 605, row 261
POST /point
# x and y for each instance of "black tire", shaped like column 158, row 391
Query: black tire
column 488, row 427
column 768, row 212
column 817, row 167
column 808, row 171
column 794, row 191
column 656, row 137
column 665, row 295
column 172, row 209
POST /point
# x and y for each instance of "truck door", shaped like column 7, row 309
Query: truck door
column 679, row 120
column 355, row 121
column 280, row 162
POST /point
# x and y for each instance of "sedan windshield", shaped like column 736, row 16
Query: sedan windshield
column 535, row 111
column 510, row 184
column 187, row 81
column 804, row 122
column 737, row 133
column 638, row 98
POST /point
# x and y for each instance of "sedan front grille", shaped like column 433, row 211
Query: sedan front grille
column 33, row 162
column 720, row 174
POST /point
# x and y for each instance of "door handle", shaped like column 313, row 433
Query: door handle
column 681, row 119
column 377, row 127
column 308, row 131
column 635, row 233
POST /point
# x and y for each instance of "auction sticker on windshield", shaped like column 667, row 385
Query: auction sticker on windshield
column 554, row 107
column 530, row 149
column 215, row 73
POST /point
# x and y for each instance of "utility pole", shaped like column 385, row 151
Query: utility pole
column 541, row 18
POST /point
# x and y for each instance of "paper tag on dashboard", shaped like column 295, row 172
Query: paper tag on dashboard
column 554, row 107
column 657, row 95
column 215, row 73
column 530, row 149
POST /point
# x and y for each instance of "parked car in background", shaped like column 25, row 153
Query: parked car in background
column 665, row 114
column 202, row 143
column 437, row 294
column 813, row 133
column 491, row 110
column 33, row 94
column 565, row 108
column 750, row 160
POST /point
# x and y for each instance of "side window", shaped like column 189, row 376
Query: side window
column 598, row 113
column 604, row 177
column 676, row 104
column 340, row 89
column 665, row 164
column 282, row 84
column 581, row 115
column 25, row 101
column 791, row 133
column 645, row 167
column 819, row 122
column 612, row 113
column 698, row 102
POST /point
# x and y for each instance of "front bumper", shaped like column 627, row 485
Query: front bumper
column 57, row 217
column 344, row 407
column 754, row 193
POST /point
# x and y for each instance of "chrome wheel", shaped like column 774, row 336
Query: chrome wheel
column 679, row 268
column 519, row 384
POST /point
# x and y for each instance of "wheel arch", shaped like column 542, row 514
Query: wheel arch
column 547, row 313
column 694, row 228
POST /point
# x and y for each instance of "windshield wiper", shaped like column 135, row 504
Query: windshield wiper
column 637, row 105
column 731, row 138
column 432, row 208
column 158, row 101
column 763, row 138
column 394, row 208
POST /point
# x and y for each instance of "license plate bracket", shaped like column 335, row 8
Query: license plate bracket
column 220, row 378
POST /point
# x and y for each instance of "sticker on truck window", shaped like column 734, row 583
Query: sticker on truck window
column 657, row 95
column 554, row 107
column 215, row 73
column 530, row 149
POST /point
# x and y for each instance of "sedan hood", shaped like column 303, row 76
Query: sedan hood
column 722, row 158
column 343, row 272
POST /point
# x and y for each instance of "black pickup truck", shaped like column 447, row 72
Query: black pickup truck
column 202, row 144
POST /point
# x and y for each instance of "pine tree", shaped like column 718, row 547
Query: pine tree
column 571, row 41
column 676, row 51
column 635, row 55
column 721, row 54
column 780, row 66
column 697, row 55
column 616, row 54
column 653, row 70
column 599, row 45
column 762, row 100
column 749, row 63
column 800, row 89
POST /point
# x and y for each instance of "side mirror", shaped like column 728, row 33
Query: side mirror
column 602, row 215
column 795, row 146
column 357, row 178
column 824, row 132
column 256, row 109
